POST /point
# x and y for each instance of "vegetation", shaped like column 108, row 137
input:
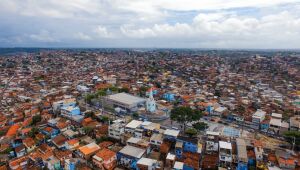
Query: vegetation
column 200, row 126
column 88, row 130
column 33, row 132
column 291, row 135
column 36, row 119
column 135, row 115
column 191, row 132
column 184, row 115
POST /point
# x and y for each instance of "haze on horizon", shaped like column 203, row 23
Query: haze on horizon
column 248, row 24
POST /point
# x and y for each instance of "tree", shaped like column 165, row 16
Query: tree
column 87, row 130
column 123, row 89
column 101, row 93
column 291, row 135
column 89, row 97
column 135, row 115
column 191, row 132
column 184, row 115
column 33, row 132
column 200, row 126
column 36, row 119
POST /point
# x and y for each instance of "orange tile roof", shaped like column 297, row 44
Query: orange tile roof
column 105, row 154
column 88, row 149
column 12, row 131
column 72, row 141
column 28, row 142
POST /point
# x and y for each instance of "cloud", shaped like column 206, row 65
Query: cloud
column 148, row 23
column 102, row 32
column 43, row 36
column 82, row 36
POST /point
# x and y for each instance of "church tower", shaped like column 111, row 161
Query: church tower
column 150, row 103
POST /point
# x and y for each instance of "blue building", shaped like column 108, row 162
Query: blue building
column 189, row 144
column 129, row 155
column 49, row 131
column 170, row 97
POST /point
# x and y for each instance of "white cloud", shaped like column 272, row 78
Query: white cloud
column 43, row 36
column 183, row 23
column 82, row 36
column 101, row 31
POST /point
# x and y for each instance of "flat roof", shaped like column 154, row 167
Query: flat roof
column 171, row 156
column 275, row 122
column 178, row 165
column 259, row 113
column 171, row 132
column 241, row 148
column 132, row 151
column 277, row 115
column 226, row 145
column 126, row 98
column 134, row 124
column 146, row 161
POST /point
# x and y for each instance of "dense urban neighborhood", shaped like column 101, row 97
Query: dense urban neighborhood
column 149, row 109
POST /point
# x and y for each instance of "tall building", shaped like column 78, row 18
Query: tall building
column 150, row 103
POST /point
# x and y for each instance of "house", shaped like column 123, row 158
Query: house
column 129, row 155
column 60, row 141
column 178, row 166
column 242, row 157
column 156, row 140
column 258, row 116
column 51, row 132
column 53, row 163
column 171, row 134
column 285, row 159
column 72, row 144
column 72, row 113
column 170, row 97
column 18, row 163
column 140, row 143
column 20, row 151
column 116, row 129
column 189, row 144
column 170, row 160
column 132, row 126
column 149, row 164
column 105, row 159
column 29, row 144
column 225, row 152
column 295, row 123
column 88, row 150
column 212, row 142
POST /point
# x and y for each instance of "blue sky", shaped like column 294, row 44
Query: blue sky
column 269, row 24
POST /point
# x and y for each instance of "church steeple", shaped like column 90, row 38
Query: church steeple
column 150, row 104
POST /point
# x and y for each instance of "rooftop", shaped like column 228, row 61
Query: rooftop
column 132, row 151
column 126, row 98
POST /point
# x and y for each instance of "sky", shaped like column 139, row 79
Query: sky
column 237, row 24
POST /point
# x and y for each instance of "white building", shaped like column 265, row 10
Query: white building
column 125, row 101
column 225, row 152
column 258, row 116
column 116, row 129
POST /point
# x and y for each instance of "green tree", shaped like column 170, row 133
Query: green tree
column 184, row 115
column 135, row 115
column 87, row 130
column 191, row 132
column 101, row 93
column 36, row 119
column 143, row 90
column 200, row 126
column 33, row 132
column 123, row 89
column 291, row 135
column 89, row 97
